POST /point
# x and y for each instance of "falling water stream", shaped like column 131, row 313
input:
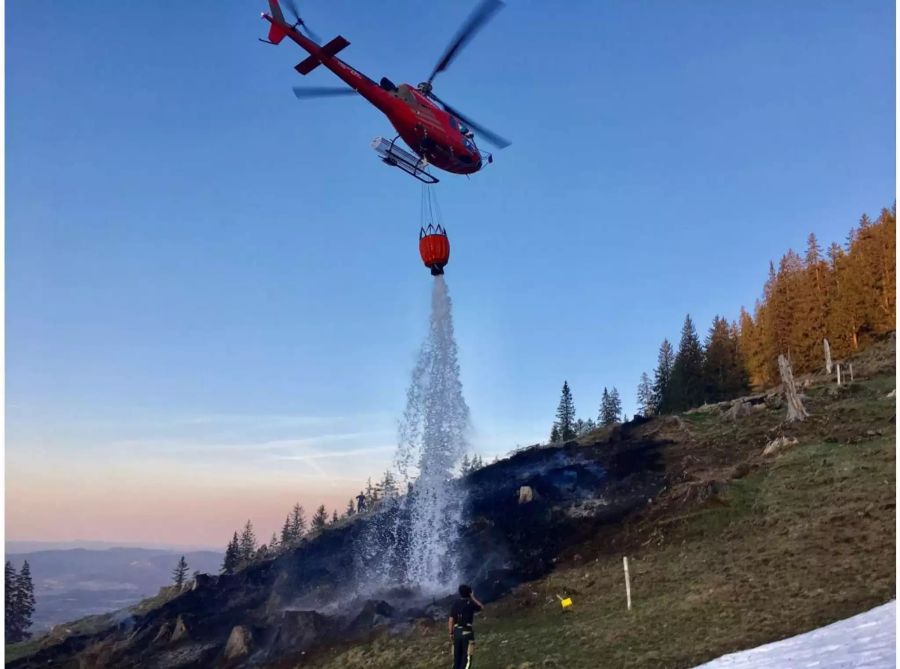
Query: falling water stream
column 432, row 442
column 410, row 540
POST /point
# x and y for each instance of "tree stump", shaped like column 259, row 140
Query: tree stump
column 827, row 347
column 795, row 409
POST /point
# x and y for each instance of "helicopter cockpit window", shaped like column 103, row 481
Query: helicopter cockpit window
column 469, row 144
column 462, row 128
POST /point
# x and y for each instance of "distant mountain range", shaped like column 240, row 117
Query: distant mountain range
column 72, row 583
column 27, row 546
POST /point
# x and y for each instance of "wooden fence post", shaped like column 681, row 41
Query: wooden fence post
column 627, row 583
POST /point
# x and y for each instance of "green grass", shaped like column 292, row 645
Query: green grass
column 23, row 649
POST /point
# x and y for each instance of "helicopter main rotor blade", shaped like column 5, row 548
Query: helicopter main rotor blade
column 482, row 14
column 490, row 136
column 305, row 92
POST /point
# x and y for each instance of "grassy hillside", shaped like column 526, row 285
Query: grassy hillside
column 741, row 549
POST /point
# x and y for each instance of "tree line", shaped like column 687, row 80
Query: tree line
column 567, row 426
column 19, row 607
column 846, row 295
column 244, row 548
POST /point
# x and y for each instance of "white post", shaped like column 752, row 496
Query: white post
column 839, row 374
column 827, row 356
column 627, row 583
column 851, row 372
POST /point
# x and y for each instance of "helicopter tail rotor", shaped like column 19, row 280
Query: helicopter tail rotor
column 299, row 23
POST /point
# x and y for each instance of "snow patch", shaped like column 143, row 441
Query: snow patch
column 835, row 646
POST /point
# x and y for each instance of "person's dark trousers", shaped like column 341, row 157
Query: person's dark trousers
column 462, row 637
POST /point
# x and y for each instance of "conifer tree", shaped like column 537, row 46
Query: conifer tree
column 286, row 537
column 180, row 572
column 615, row 403
column 662, row 381
column 319, row 520
column 232, row 556
column 584, row 426
column 645, row 402
column 297, row 524
column 687, row 370
column 724, row 376
column 465, row 467
column 565, row 415
column 334, row 517
column 388, row 485
column 24, row 602
column 351, row 508
column 610, row 407
column 273, row 542
column 247, row 546
column 12, row 627
column 554, row 434
column 606, row 416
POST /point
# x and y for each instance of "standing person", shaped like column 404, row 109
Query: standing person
column 360, row 502
column 459, row 624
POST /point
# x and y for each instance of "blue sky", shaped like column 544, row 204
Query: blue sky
column 207, row 278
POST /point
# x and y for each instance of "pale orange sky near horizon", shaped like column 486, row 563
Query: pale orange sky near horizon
column 192, row 482
column 171, row 507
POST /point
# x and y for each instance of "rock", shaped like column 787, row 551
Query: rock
column 300, row 630
column 203, row 581
column 238, row 644
column 778, row 445
column 526, row 494
column 164, row 632
column 893, row 393
column 774, row 401
column 739, row 409
column 180, row 632
column 373, row 613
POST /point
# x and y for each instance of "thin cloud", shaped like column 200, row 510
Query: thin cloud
column 309, row 457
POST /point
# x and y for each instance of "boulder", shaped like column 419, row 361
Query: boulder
column 203, row 581
column 373, row 614
column 238, row 644
column 300, row 630
column 164, row 633
column 739, row 409
column 526, row 494
column 893, row 393
column 180, row 632
column 778, row 445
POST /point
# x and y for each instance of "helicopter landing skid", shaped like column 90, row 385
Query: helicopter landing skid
column 393, row 155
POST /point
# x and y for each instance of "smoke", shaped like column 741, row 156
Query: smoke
column 410, row 540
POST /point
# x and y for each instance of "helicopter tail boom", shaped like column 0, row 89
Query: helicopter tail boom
column 277, row 30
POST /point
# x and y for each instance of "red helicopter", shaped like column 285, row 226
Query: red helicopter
column 437, row 133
